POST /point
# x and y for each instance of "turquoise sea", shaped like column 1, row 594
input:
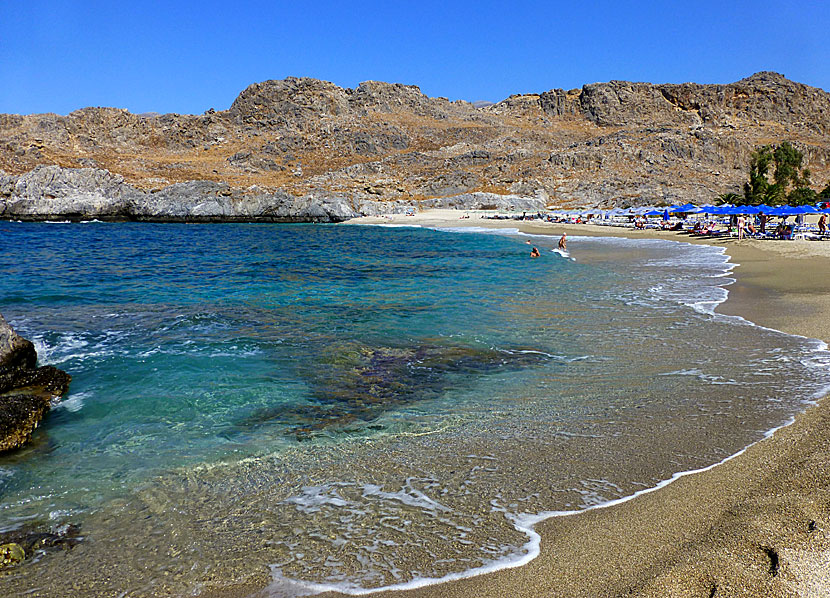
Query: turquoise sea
column 354, row 407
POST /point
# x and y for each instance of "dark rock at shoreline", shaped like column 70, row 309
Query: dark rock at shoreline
column 20, row 544
column 26, row 391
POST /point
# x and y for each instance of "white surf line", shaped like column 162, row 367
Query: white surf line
column 524, row 522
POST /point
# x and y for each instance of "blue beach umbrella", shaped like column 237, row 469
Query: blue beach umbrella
column 717, row 210
column 750, row 210
column 783, row 211
column 738, row 210
column 688, row 208
column 807, row 210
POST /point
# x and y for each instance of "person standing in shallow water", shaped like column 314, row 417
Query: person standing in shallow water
column 563, row 242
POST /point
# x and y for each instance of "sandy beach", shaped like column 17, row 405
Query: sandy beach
column 755, row 525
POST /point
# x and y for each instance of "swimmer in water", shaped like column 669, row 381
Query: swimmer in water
column 534, row 252
column 563, row 242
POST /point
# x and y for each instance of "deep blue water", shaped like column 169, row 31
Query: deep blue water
column 306, row 369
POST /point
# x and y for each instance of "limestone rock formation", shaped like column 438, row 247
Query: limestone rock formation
column 65, row 193
column 26, row 391
column 301, row 149
column 54, row 193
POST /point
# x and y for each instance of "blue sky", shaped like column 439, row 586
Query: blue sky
column 187, row 57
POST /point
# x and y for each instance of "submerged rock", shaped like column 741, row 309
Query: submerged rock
column 26, row 391
column 21, row 544
column 356, row 383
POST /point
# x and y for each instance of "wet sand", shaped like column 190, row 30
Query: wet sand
column 756, row 525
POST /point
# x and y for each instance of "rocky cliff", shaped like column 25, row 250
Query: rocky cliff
column 55, row 193
column 303, row 149
column 26, row 391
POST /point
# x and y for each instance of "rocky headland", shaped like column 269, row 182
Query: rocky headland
column 26, row 391
column 301, row 149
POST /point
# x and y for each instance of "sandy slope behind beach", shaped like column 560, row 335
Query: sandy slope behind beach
column 757, row 525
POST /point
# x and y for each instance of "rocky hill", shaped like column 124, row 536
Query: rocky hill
column 303, row 149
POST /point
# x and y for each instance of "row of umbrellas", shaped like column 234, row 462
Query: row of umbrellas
column 731, row 210
column 724, row 210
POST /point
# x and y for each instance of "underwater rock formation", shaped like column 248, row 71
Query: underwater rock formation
column 357, row 383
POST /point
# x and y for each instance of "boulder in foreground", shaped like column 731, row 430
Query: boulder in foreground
column 26, row 391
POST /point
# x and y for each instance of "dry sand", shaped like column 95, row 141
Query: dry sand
column 756, row 525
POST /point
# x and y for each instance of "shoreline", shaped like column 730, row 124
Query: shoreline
column 747, row 526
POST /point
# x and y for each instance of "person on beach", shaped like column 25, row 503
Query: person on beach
column 534, row 252
column 563, row 242
column 822, row 224
column 741, row 224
